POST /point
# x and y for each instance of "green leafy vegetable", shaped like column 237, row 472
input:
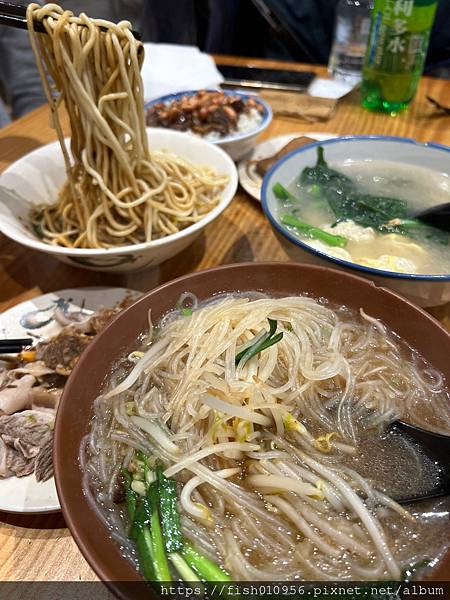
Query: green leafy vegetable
column 130, row 495
column 207, row 569
column 314, row 232
column 170, row 519
column 347, row 202
column 283, row 194
column 140, row 531
column 261, row 343
column 315, row 190
column 141, row 519
column 156, row 528
column 321, row 176
column 160, row 564
column 145, row 552
column 387, row 215
column 185, row 571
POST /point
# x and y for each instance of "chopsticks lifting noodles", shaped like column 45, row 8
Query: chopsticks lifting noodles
column 14, row 346
column 15, row 15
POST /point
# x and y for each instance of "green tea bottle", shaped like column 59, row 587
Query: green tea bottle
column 398, row 43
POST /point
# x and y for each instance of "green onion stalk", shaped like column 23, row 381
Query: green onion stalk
column 156, row 529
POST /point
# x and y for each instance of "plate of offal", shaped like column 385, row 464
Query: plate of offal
column 60, row 324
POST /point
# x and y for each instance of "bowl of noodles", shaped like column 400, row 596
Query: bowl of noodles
column 117, row 196
column 194, row 182
column 233, row 424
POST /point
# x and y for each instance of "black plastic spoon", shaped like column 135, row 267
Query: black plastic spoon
column 437, row 448
column 437, row 216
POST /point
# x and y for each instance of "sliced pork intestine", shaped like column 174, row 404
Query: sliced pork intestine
column 22, row 393
column 36, row 368
column 46, row 399
column 17, row 396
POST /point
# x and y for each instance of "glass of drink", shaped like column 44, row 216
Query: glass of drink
column 398, row 43
column 351, row 33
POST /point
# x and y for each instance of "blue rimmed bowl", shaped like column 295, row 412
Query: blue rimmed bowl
column 238, row 144
column 425, row 290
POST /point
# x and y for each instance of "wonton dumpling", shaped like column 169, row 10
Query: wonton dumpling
column 330, row 250
column 352, row 231
column 388, row 262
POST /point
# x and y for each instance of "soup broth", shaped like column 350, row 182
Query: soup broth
column 421, row 251
column 282, row 463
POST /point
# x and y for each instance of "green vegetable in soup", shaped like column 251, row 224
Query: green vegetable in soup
column 155, row 527
column 347, row 202
column 170, row 519
column 314, row 232
column 205, row 568
column 262, row 341
column 130, row 495
column 160, row 563
column 283, row 194
column 322, row 176
column 417, row 230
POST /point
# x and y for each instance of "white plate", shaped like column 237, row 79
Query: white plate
column 25, row 494
column 250, row 180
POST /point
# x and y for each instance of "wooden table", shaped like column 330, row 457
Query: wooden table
column 41, row 547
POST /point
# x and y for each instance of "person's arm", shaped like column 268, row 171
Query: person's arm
column 4, row 117
column 18, row 72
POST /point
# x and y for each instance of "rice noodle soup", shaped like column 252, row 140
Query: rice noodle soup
column 253, row 431
column 361, row 212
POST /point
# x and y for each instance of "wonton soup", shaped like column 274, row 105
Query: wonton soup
column 362, row 212
column 246, row 437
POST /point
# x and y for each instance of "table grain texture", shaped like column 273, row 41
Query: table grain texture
column 40, row 547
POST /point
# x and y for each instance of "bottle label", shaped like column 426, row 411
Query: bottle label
column 399, row 35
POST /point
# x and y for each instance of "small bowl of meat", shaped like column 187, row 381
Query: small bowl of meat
column 229, row 118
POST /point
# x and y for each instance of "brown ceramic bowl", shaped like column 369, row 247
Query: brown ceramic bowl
column 412, row 324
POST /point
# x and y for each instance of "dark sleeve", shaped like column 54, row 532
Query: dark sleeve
column 18, row 72
column 170, row 21
column 439, row 50
column 312, row 22
column 4, row 117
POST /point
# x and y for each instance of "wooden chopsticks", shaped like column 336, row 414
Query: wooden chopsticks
column 15, row 15
column 14, row 346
